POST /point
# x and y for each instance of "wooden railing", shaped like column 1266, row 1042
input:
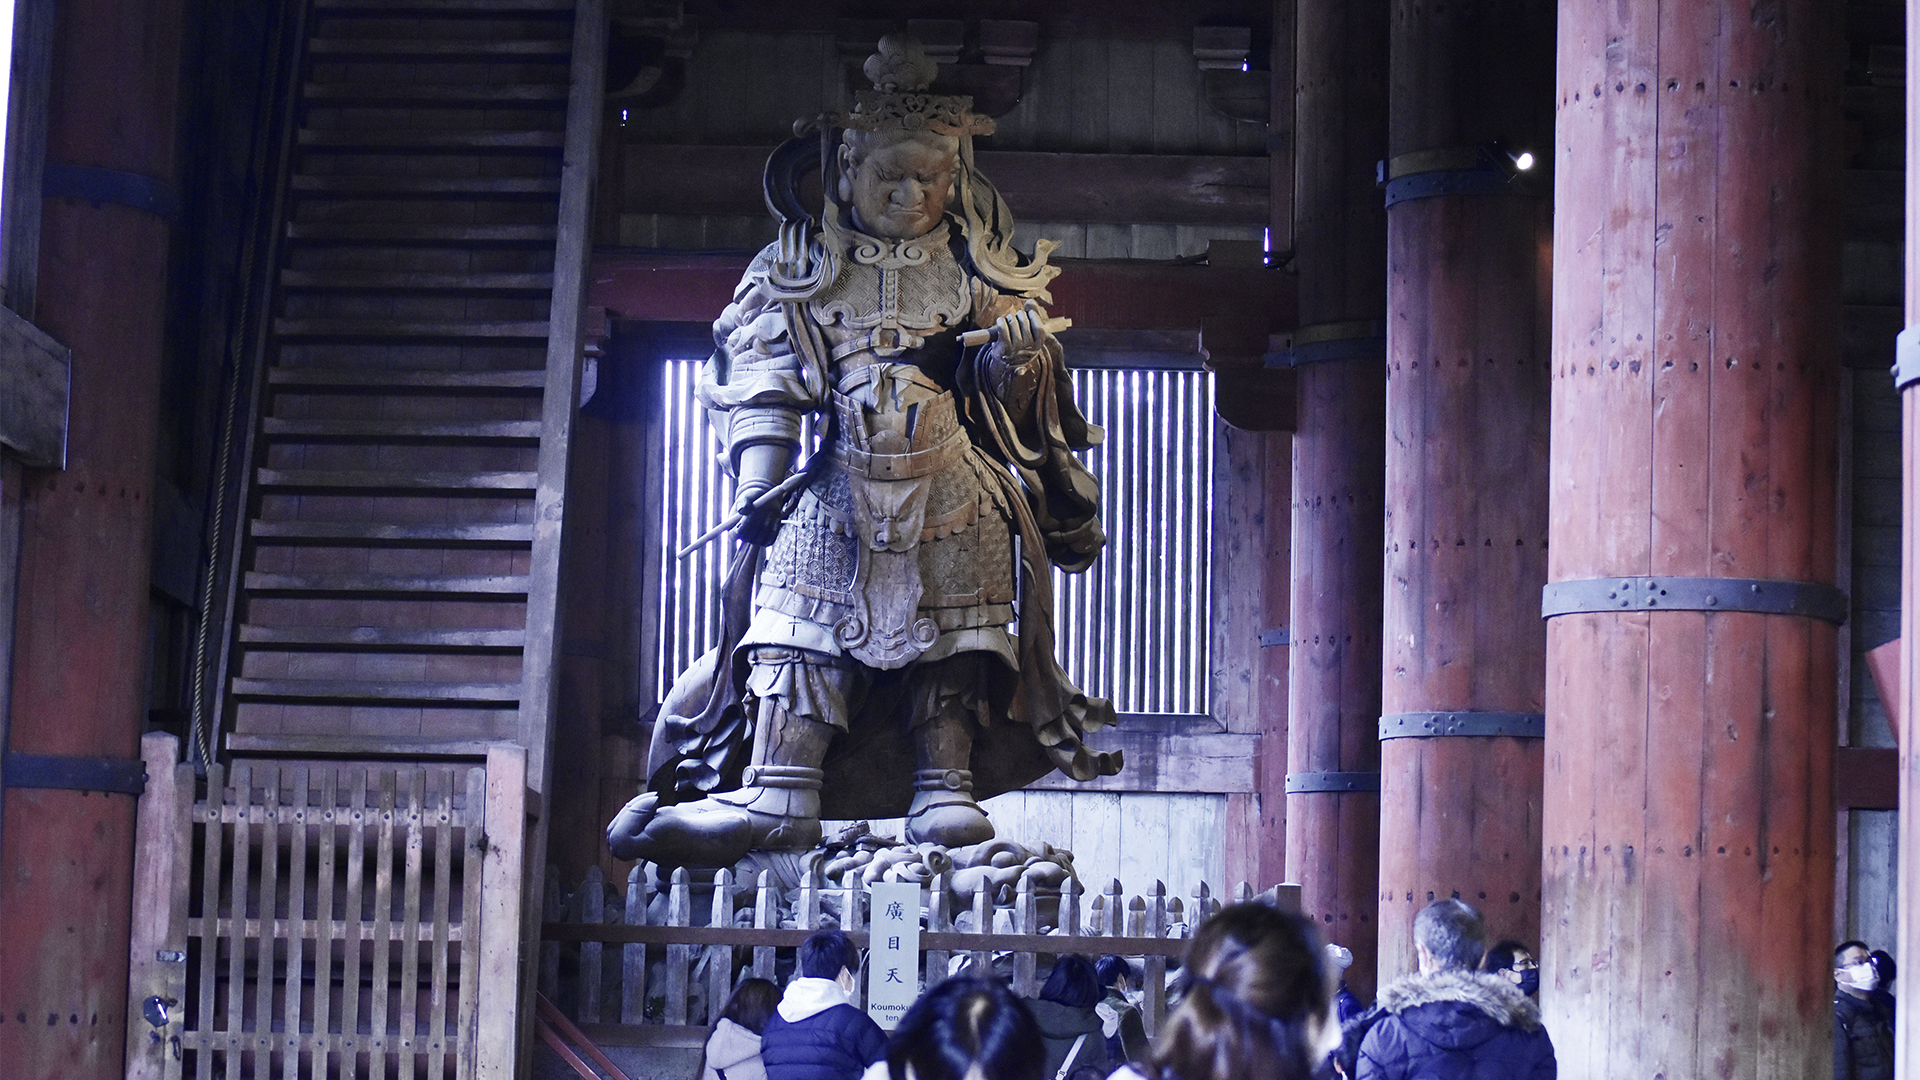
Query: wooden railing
column 647, row 966
column 338, row 918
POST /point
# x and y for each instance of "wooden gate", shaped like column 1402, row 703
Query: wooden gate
column 327, row 918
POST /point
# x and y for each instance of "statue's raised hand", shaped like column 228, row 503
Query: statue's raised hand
column 1022, row 334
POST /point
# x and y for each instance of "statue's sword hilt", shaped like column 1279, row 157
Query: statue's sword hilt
column 766, row 498
column 992, row 333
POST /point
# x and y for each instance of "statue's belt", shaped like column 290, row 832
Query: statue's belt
column 907, row 466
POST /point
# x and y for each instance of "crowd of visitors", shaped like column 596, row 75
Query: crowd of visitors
column 1258, row 996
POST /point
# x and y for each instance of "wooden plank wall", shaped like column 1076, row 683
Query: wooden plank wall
column 1085, row 94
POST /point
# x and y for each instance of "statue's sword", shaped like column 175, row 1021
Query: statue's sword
column 766, row 498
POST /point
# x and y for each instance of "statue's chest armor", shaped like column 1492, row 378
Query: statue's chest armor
column 913, row 288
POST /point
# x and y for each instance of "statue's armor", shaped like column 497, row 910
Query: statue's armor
column 901, row 549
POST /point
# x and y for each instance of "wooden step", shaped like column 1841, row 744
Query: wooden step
column 389, row 140
column 414, row 483
column 402, row 431
column 371, row 378
column 430, row 585
column 375, row 693
column 349, row 280
column 438, row 49
column 482, row 187
column 441, row 7
column 373, row 534
column 380, row 638
column 385, row 329
column 437, row 94
column 398, row 232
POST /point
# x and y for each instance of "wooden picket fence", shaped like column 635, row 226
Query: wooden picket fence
column 646, row 967
column 336, row 919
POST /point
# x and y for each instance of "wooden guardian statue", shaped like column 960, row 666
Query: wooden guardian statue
column 887, row 646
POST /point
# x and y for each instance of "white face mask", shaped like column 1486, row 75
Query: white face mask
column 1859, row 976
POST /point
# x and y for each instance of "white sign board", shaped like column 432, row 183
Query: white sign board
column 893, row 953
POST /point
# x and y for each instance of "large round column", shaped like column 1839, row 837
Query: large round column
column 80, row 637
column 1339, row 357
column 1689, row 839
column 1466, row 467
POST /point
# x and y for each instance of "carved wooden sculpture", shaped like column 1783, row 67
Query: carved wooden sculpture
column 868, row 665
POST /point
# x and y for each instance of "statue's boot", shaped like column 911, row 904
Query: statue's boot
column 777, row 808
column 943, row 810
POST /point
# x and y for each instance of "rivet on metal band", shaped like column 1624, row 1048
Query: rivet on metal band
column 1906, row 358
column 1303, row 783
column 1806, row 598
column 1470, row 723
column 61, row 772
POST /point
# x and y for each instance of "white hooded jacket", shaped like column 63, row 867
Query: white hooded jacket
column 733, row 1053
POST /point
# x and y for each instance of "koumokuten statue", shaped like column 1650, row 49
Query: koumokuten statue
column 887, row 642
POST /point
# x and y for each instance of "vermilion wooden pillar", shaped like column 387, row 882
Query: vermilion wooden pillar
column 1466, row 467
column 80, row 653
column 1689, row 841
column 1339, row 357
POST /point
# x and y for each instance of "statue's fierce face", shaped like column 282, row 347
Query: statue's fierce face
column 897, row 184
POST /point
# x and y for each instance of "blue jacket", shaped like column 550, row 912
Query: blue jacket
column 1456, row 1025
column 826, row 1039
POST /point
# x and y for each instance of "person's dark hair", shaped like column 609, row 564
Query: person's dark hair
column 1072, row 983
column 1110, row 969
column 1255, row 985
column 1500, row 957
column 963, row 1023
column 750, row 1006
column 1453, row 933
column 826, row 953
column 1883, row 966
column 1845, row 945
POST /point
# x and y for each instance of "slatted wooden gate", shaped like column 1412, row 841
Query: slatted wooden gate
column 327, row 919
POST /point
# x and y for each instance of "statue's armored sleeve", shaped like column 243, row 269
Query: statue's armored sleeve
column 755, row 387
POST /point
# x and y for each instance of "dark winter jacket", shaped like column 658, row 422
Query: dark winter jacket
column 1060, row 1025
column 1456, row 1025
column 1126, row 1034
column 815, row 1035
column 1862, row 1039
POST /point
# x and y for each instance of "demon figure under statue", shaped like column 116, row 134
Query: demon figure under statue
column 887, row 642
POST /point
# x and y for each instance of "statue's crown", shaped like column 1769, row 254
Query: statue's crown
column 901, row 72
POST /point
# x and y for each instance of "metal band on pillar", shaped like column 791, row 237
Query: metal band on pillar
column 1306, row 783
column 1454, row 170
column 61, row 772
column 1365, row 339
column 115, row 186
column 1463, row 723
column 1807, row 598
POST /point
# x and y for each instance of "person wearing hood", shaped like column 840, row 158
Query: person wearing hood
column 1862, row 1031
column 816, row 1032
column 1067, row 1014
column 1451, row 1021
column 733, row 1044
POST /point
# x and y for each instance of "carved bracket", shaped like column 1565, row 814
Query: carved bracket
column 1233, row 87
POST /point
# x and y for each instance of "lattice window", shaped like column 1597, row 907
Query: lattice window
column 1133, row 628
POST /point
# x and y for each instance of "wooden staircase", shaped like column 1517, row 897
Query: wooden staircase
column 393, row 591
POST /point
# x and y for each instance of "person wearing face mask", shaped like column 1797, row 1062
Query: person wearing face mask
column 816, row 1032
column 1862, row 1031
column 1513, row 962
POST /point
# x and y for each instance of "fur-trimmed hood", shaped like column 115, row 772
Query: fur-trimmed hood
column 1501, row 1001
